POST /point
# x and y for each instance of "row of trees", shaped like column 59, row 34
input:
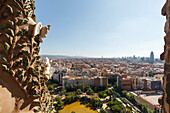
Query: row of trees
column 129, row 96
column 103, row 111
column 104, row 94
column 59, row 103
column 52, row 86
column 144, row 108
column 74, row 87
column 70, row 97
column 89, row 91
column 78, row 88
column 71, row 91
column 115, row 105
column 95, row 102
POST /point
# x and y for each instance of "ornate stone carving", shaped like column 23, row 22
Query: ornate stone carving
column 20, row 70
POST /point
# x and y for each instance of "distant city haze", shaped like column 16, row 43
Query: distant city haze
column 108, row 28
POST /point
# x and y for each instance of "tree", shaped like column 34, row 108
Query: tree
column 81, row 86
column 89, row 92
column 70, row 97
column 130, row 97
column 102, row 94
column 127, row 111
column 110, row 103
column 101, row 88
column 79, row 91
column 75, row 87
column 67, row 87
column 145, row 108
column 109, row 85
column 71, row 87
column 50, row 87
column 124, row 93
column 55, row 85
column 62, row 92
column 115, row 84
column 60, row 103
column 86, row 88
column 95, row 89
column 103, row 111
column 119, row 89
column 115, row 102
column 95, row 102
column 116, row 109
column 109, row 91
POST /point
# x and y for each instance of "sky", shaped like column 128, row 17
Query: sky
column 96, row 28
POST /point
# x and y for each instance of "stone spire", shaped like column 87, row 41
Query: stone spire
column 165, row 100
column 22, row 80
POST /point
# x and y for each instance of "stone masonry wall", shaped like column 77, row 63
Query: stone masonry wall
column 165, row 100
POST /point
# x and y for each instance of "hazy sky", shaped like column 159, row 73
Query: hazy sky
column 108, row 28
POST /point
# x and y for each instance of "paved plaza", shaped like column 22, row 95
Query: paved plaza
column 153, row 99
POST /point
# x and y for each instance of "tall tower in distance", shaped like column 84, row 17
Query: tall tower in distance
column 151, row 60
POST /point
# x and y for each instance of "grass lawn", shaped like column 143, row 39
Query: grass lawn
column 77, row 108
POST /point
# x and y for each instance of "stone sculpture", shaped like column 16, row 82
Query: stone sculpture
column 47, row 67
column 165, row 100
column 22, row 80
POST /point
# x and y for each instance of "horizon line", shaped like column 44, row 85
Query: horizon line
column 83, row 56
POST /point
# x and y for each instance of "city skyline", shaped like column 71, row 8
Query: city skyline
column 102, row 28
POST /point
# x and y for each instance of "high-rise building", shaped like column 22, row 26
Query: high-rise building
column 151, row 60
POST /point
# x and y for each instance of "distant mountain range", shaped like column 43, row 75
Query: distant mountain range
column 61, row 56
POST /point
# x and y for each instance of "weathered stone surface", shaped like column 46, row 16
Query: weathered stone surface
column 167, row 55
column 168, row 88
column 164, row 9
column 165, row 101
column 166, row 67
column 6, row 97
column 162, row 56
column 166, row 28
column 160, row 100
column 21, row 75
